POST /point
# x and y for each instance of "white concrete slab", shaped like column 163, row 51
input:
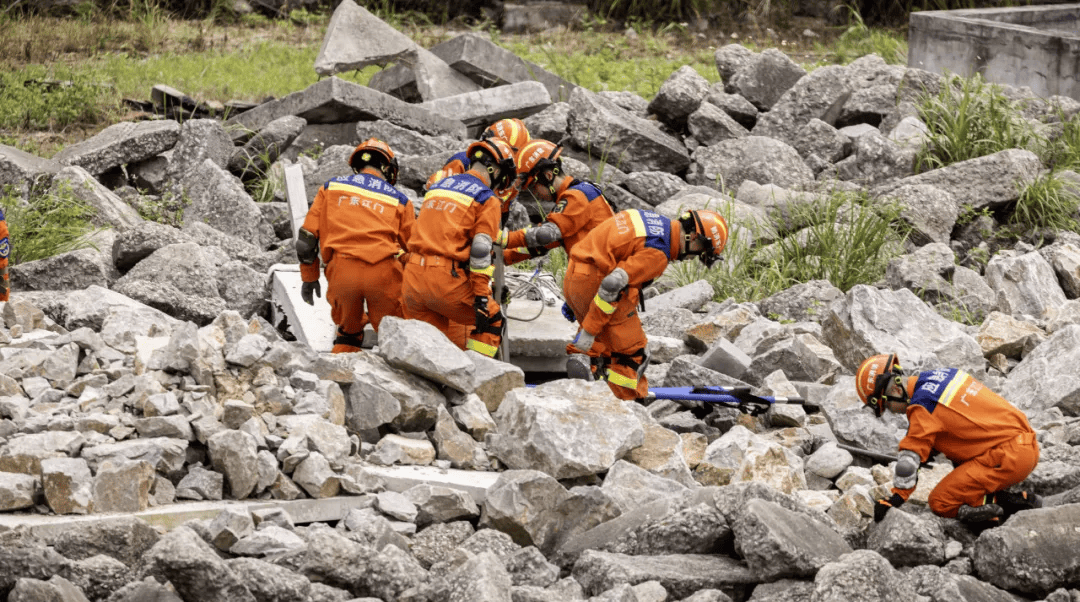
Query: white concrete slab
column 397, row 478
column 309, row 324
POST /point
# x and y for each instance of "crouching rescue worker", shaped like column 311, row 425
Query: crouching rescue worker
column 603, row 283
column 988, row 440
column 449, row 269
column 360, row 225
column 5, row 251
column 580, row 206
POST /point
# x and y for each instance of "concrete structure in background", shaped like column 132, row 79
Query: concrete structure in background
column 1033, row 46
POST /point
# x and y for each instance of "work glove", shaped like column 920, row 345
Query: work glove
column 480, row 304
column 505, row 299
column 310, row 287
column 882, row 506
column 501, row 237
column 584, row 341
column 567, row 312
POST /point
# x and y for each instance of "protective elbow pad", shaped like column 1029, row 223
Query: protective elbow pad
column 613, row 284
column 480, row 254
column 542, row 235
column 307, row 247
column 907, row 469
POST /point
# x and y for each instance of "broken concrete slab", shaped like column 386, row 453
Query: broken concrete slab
column 489, row 64
column 422, row 76
column 626, row 141
column 479, row 109
column 109, row 209
column 355, row 38
column 119, row 144
column 23, row 170
column 334, row 100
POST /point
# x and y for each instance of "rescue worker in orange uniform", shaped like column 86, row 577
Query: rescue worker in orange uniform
column 360, row 225
column 580, row 206
column 603, row 282
column 5, row 251
column 988, row 440
column 449, row 270
column 513, row 132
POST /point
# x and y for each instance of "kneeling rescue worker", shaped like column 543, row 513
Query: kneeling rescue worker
column 449, row 270
column 603, row 283
column 988, row 439
column 360, row 224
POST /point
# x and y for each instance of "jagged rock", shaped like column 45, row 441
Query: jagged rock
column 862, row 575
column 435, row 542
column 474, row 417
column 631, row 486
column 908, row 540
column 234, row 454
column 17, row 491
column 122, row 487
column 68, row 485
column 56, row 588
column 557, row 421
column 460, row 449
column 725, row 165
column 630, row 143
column 255, row 157
column 493, row 378
column 269, row 582
column 1025, row 284
column 730, row 58
column 1036, row 384
column 680, row 95
column 228, row 527
column 124, row 538
column 437, row 505
column 269, row 540
column 120, row 143
column 1004, row 334
column 524, row 504
column 819, row 94
column 194, row 569
column 680, row 574
column 764, row 78
column 436, row 358
column 778, row 543
column 98, row 576
column 109, row 209
column 23, row 170
column 395, row 449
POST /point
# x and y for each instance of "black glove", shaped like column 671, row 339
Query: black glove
column 480, row 306
column 505, row 300
column 310, row 287
column 882, row 506
column 568, row 313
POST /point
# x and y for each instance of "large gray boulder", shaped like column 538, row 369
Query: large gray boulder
column 193, row 567
column 219, row 199
column 764, row 78
column 622, row 139
column 119, row 144
column 109, row 210
column 553, row 428
column 779, row 543
column 1037, row 383
column 726, row 165
column 1031, row 553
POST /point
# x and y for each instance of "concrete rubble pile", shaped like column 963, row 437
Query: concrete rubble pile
column 128, row 385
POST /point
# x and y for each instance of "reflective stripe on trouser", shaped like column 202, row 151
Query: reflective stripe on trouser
column 350, row 283
column 622, row 334
column 434, row 295
column 998, row 468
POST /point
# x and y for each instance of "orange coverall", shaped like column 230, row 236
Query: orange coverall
column 641, row 243
column 458, row 164
column 579, row 207
column 439, row 286
column 5, row 251
column 987, row 438
column 362, row 224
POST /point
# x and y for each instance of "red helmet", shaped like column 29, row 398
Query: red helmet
column 513, row 131
column 376, row 153
column 711, row 228
column 873, row 378
column 498, row 157
column 537, row 157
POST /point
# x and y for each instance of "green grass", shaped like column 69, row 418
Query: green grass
column 51, row 224
column 847, row 241
column 1045, row 203
column 37, row 98
column 970, row 118
column 859, row 40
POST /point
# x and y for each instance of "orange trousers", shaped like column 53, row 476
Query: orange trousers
column 350, row 283
column 996, row 469
column 5, row 250
column 430, row 292
column 622, row 337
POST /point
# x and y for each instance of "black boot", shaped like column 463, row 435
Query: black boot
column 1012, row 502
column 979, row 514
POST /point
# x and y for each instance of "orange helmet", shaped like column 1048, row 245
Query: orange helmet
column 711, row 228
column 537, row 157
column 497, row 156
column 873, row 378
column 513, row 131
column 376, row 153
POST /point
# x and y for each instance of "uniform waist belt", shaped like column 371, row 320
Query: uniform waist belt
column 431, row 260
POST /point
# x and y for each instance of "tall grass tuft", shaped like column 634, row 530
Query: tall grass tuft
column 1047, row 202
column 847, row 240
column 48, row 225
column 859, row 40
column 970, row 118
column 41, row 99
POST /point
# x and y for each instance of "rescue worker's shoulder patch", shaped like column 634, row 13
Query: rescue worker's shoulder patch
column 5, row 248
